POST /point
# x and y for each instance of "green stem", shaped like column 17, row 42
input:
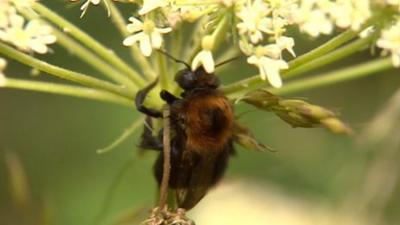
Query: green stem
column 124, row 136
column 69, row 90
column 323, row 49
column 220, row 32
column 296, row 69
column 84, row 54
column 165, row 80
column 105, row 53
column 64, row 73
column 340, row 53
column 347, row 74
column 92, row 59
column 191, row 48
column 137, row 56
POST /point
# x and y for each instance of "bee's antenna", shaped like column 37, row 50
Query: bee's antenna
column 227, row 61
column 173, row 58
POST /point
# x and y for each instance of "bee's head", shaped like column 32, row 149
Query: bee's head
column 188, row 79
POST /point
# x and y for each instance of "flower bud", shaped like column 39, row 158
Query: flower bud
column 243, row 136
column 297, row 113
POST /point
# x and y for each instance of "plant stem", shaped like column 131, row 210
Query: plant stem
column 167, row 160
column 128, row 132
column 84, row 54
column 323, row 49
column 340, row 53
column 164, row 78
column 136, row 56
column 191, row 48
column 69, row 90
column 92, row 59
column 64, row 73
column 347, row 74
column 319, row 55
column 105, row 53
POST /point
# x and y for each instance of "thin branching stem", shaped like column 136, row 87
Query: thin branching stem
column 165, row 78
column 68, row 90
column 295, row 69
column 83, row 79
column 106, row 53
column 86, row 55
column 336, row 55
column 124, row 136
column 93, row 60
column 136, row 55
column 342, row 75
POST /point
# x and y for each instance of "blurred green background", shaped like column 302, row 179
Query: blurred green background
column 56, row 137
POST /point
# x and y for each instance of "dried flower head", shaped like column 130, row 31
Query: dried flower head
column 166, row 217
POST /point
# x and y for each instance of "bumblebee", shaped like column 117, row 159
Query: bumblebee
column 201, row 121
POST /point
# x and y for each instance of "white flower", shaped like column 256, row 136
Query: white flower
column 22, row 3
column 390, row 42
column 147, row 34
column 312, row 19
column 150, row 5
column 271, row 50
column 3, row 64
column 85, row 6
column 5, row 11
column 366, row 32
column 204, row 57
column 286, row 43
column 269, row 68
column 254, row 20
column 34, row 36
column 350, row 13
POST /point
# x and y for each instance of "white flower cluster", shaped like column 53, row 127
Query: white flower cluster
column 317, row 17
column 260, row 27
column 25, row 35
column 389, row 40
column 266, row 19
column 146, row 33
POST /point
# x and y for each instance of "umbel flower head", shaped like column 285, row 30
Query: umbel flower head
column 146, row 33
column 29, row 36
column 390, row 42
column 202, row 33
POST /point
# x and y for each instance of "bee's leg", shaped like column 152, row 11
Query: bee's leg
column 168, row 97
column 139, row 100
column 148, row 140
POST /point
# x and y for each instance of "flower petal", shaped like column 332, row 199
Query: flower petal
column 38, row 47
column 196, row 61
column 145, row 45
column 130, row 40
column 208, row 62
column 150, row 5
column 164, row 30
column 156, row 40
column 135, row 25
column 205, row 59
